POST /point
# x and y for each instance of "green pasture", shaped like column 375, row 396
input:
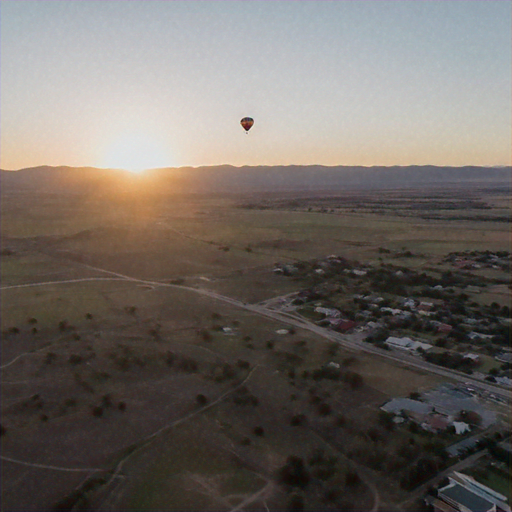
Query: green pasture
column 493, row 478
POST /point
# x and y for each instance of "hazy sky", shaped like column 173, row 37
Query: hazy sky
column 165, row 83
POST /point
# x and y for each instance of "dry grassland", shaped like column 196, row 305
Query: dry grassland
column 97, row 367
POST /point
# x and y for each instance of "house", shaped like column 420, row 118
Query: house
column 393, row 311
column 397, row 405
column 329, row 312
column 407, row 344
column 479, row 336
column 474, row 358
column 461, row 427
column 425, row 308
column 409, row 303
column 344, row 325
column 504, row 357
column 444, row 328
column 435, row 423
column 465, row 494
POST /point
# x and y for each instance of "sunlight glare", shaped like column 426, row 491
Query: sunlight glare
column 136, row 153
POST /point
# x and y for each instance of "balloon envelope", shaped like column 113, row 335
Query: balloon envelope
column 247, row 123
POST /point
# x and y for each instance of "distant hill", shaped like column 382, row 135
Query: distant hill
column 229, row 179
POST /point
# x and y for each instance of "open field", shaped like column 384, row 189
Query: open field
column 127, row 384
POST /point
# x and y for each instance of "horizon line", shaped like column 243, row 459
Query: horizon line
column 142, row 171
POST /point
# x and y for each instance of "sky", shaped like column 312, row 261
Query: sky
column 164, row 83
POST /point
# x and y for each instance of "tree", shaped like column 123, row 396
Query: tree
column 298, row 420
column 294, row 473
column 201, row 399
column 63, row 325
column 97, row 411
column 296, row 503
column 352, row 479
column 385, row 419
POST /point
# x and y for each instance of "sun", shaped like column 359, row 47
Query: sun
column 135, row 152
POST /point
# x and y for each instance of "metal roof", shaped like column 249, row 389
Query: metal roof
column 463, row 496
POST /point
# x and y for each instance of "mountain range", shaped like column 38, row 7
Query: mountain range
column 247, row 179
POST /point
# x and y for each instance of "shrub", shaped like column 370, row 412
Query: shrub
column 258, row 431
column 63, row 325
column 352, row 479
column 50, row 357
column 121, row 406
column 201, row 399
column 97, row 411
column 188, row 364
column 75, row 359
column 296, row 503
column 170, row 358
column 324, row 409
column 205, row 335
column 294, row 473
column 106, row 401
column 298, row 420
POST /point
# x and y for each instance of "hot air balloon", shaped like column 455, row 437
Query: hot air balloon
column 247, row 123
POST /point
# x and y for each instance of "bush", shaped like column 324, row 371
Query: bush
column 324, row 409
column 201, row 399
column 294, row 473
column 106, row 401
column 205, row 335
column 245, row 365
column 121, row 406
column 75, row 359
column 258, row 431
column 352, row 479
column 296, row 503
column 298, row 420
column 50, row 357
column 188, row 364
column 97, row 411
